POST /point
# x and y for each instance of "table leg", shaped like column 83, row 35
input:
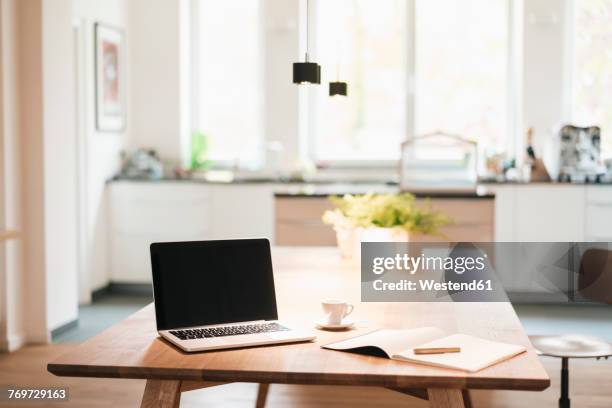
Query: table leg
column 445, row 398
column 467, row 399
column 161, row 394
column 413, row 392
column 262, row 394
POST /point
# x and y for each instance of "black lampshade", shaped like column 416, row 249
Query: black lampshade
column 337, row 88
column 306, row 72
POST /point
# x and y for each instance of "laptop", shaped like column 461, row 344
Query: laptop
column 213, row 295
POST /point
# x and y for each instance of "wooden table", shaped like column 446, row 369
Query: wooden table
column 304, row 276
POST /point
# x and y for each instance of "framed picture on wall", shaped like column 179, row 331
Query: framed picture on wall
column 110, row 101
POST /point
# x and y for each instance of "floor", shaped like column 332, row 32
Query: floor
column 594, row 320
column 591, row 381
column 104, row 312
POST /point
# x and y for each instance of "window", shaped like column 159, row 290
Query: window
column 461, row 58
column 228, row 97
column 367, row 41
column 459, row 63
column 592, row 73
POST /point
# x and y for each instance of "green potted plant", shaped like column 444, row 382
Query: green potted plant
column 381, row 217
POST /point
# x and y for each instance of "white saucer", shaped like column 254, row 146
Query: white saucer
column 346, row 324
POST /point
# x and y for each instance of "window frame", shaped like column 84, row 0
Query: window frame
column 513, row 105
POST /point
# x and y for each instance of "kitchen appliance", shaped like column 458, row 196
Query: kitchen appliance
column 580, row 154
column 438, row 160
column 141, row 164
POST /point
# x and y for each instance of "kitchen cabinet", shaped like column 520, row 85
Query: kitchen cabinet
column 473, row 219
column 540, row 213
column 144, row 212
column 298, row 219
column 242, row 211
column 550, row 214
column 598, row 226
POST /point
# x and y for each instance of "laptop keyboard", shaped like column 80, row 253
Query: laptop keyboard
column 223, row 331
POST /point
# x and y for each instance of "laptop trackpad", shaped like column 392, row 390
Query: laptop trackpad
column 230, row 340
column 282, row 335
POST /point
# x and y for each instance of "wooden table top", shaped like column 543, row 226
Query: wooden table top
column 303, row 277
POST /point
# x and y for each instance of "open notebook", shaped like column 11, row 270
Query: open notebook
column 475, row 354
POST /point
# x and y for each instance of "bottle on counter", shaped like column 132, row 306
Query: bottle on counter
column 534, row 169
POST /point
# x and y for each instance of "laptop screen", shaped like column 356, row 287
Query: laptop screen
column 212, row 282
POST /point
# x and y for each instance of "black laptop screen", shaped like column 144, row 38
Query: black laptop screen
column 211, row 282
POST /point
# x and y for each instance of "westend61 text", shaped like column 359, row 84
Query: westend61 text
column 431, row 285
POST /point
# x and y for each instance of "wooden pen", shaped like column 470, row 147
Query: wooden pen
column 437, row 350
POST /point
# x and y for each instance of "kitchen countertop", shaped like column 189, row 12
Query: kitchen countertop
column 255, row 180
column 308, row 190
column 543, row 184
column 325, row 188
column 343, row 181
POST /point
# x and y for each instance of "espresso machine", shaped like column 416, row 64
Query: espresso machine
column 580, row 155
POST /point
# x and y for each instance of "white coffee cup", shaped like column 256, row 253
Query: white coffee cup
column 335, row 310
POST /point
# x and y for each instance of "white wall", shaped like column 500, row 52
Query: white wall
column 12, row 327
column 281, row 48
column 546, row 84
column 157, row 91
column 38, row 176
column 100, row 151
column 60, row 159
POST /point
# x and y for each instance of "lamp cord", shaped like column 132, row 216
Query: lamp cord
column 307, row 29
column 339, row 47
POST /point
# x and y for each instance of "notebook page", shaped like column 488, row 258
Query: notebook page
column 391, row 341
column 476, row 353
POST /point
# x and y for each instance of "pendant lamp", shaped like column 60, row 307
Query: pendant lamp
column 306, row 72
column 338, row 87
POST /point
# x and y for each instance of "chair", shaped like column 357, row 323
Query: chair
column 594, row 283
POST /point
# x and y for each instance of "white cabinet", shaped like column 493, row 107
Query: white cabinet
column 242, row 211
column 598, row 213
column 540, row 213
column 550, row 213
column 505, row 207
column 144, row 212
